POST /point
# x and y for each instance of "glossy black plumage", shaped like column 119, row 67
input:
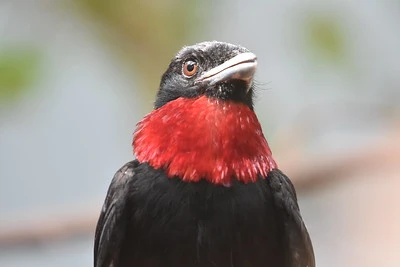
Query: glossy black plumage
column 150, row 220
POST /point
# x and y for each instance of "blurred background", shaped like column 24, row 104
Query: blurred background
column 76, row 76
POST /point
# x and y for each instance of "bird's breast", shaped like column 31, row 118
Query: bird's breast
column 198, row 224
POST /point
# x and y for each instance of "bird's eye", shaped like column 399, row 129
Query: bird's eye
column 189, row 68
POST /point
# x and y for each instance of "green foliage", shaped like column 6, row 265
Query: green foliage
column 18, row 70
column 325, row 38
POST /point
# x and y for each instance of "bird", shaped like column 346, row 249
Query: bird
column 203, row 189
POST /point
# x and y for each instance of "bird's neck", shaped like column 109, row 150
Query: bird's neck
column 203, row 138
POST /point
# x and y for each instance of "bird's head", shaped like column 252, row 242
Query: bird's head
column 203, row 125
column 215, row 69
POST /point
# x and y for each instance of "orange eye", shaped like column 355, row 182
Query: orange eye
column 189, row 68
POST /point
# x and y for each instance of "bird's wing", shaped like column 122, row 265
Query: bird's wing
column 296, row 238
column 111, row 226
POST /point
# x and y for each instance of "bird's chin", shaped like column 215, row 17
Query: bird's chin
column 235, row 90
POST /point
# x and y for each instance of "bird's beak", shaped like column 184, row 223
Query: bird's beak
column 241, row 67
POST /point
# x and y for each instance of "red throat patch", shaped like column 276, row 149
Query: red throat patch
column 203, row 138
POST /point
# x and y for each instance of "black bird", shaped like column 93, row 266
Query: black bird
column 204, row 189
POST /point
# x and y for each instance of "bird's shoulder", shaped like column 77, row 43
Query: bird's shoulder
column 110, row 227
column 299, row 250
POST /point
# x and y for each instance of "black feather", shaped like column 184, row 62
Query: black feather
column 150, row 220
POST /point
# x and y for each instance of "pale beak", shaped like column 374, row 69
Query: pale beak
column 241, row 67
